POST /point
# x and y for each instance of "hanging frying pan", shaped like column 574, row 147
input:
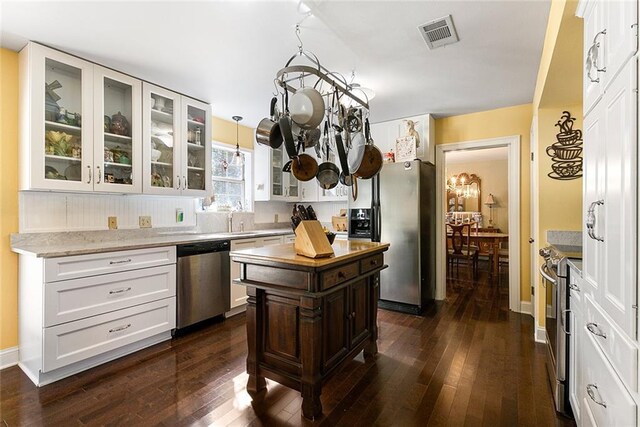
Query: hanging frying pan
column 372, row 158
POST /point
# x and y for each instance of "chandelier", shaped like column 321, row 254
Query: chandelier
column 464, row 186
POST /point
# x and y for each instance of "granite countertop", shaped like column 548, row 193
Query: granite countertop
column 51, row 245
column 343, row 250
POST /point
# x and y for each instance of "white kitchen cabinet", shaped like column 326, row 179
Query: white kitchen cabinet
column 271, row 182
column 611, row 206
column 239, row 292
column 79, row 311
column 610, row 39
column 176, row 143
column 81, row 150
column 117, row 149
column 385, row 134
column 52, row 83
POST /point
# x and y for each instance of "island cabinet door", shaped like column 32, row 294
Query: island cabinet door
column 359, row 316
column 335, row 332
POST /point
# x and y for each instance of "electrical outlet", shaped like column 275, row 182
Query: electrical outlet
column 179, row 215
column 113, row 223
column 144, row 221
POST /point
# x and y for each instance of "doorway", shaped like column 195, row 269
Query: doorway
column 512, row 146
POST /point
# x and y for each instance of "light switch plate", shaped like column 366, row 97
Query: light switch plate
column 144, row 221
column 113, row 222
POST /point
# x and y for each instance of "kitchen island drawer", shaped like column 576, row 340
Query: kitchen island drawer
column 620, row 351
column 75, row 341
column 73, row 267
column 335, row 276
column 371, row 263
column 76, row 299
column 606, row 397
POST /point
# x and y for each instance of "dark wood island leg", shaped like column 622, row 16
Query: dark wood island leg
column 256, row 385
column 371, row 349
column 310, row 355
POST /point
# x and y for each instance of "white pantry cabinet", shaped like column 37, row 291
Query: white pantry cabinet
column 176, row 143
column 77, row 312
column 575, row 342
column 239, row 292
column 607, row 349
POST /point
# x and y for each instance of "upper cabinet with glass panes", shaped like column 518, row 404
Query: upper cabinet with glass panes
column 82, row 130
column 176, row 143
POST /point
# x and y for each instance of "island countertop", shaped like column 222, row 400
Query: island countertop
column 344, row 250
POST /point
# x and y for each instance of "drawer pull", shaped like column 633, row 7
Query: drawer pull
column 341, row 275
column 594, row 328
column 592, row 394
column 373, row 262
column 120, row 328
column 574, row 287
column 119, row 291
column 124, row 261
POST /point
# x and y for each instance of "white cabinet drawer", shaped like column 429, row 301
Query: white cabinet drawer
column 72, row 267
column 75, row 341
column 237, row 245
column 75, row 299
column 620, row 351
column 587, row 419
column 609, row 401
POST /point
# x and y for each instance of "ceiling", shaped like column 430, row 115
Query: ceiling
column 227, row 52
column 477, row 155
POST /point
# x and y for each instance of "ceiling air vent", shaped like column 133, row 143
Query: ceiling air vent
column 439, row 32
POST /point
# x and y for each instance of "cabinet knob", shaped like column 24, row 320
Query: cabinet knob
column 341, row 275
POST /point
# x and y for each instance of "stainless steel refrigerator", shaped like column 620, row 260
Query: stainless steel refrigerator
column 402, row 201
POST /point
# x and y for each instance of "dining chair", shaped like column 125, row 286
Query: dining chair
column 460, row 247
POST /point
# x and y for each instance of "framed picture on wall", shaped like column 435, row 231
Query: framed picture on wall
column 405, row 148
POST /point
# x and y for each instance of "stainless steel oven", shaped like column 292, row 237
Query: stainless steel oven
column 555, row 275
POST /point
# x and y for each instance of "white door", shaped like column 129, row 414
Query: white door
column 533, row 225
column 618, row 214
column 593, row 54
column 162, row 172
column 621, row 38
column 117, row 111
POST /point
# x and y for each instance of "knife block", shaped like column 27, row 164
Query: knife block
column 311, row 241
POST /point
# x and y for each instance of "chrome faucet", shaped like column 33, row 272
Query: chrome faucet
column 241, row 225
column 230, row 222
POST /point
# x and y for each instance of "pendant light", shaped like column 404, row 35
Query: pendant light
column 238, row 158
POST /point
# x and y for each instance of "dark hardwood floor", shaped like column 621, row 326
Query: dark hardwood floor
column 465, row 361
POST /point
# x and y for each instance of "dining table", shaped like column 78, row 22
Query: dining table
column 489, row 243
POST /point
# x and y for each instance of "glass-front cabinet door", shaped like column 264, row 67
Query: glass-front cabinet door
column 117, row 143
column 60, row 126
column 162, row 171
column 277, row 175
column 196, row 147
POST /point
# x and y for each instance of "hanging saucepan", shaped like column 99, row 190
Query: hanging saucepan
column 345, row 176
column 372, row 159
column 268, row 130
column 328, row 173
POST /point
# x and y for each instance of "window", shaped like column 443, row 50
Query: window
column 231, row 188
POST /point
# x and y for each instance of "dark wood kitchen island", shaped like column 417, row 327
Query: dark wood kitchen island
column 306, row 317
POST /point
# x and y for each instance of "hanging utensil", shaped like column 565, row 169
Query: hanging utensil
column 345, row 175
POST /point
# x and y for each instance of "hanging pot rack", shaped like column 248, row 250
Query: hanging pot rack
column 336, row 81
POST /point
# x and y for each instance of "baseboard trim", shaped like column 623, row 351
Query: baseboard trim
column 525, row 308
column 541, row 335
column 9, row 357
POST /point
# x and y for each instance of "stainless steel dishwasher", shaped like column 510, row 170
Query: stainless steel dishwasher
column 203, row 281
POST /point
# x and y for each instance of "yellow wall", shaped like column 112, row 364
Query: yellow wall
column 558, row 88
column 493, row 124
column 494, row 179
column 225, row 131
column 8, row 197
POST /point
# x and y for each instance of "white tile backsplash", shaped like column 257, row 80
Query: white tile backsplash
column 51, row 211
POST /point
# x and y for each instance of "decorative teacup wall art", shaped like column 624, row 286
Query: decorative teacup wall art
column 566, row 151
